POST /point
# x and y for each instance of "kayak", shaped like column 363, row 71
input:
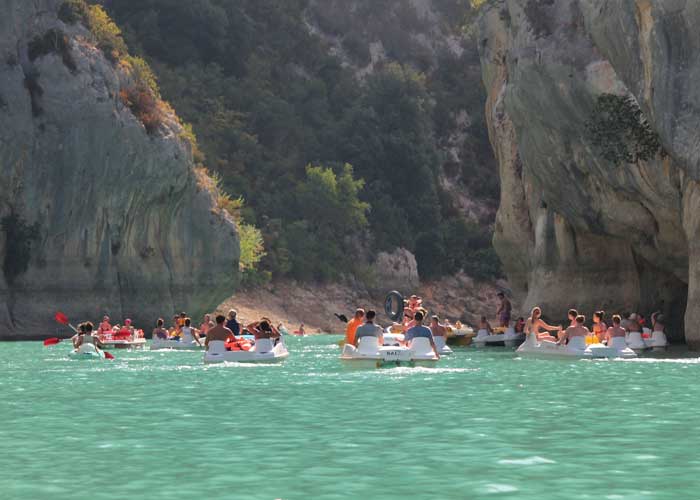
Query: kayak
column 369, row 354
column 87, row 351
column 262, row 352
column 576, row 348
column 508, row 338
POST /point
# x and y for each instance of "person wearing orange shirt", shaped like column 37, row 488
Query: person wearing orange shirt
column 353, row 325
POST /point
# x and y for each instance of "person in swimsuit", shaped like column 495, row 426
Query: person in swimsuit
column 263, row 329
column 485, row 325
column 437, row 329
column 189, row 334
column 105, row 326
column 504, row 311
column 219, row 331
column 657, row 322
column 88, row 337
column 578, row 330
column 159, row 332
column 414, row 302
column 74, row 338
column 535, row 323
column 615, row 330
column 519, row 325
column 207, row 323
column 600, row 329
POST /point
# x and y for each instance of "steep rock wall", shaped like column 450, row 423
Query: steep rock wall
column 575, row 228
column 118, row 222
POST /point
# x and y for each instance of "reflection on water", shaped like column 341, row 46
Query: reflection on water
column 482, row 424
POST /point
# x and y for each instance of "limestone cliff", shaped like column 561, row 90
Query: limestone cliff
column 99, row 216
column 590, row 218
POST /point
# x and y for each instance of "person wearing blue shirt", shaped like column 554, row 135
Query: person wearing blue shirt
column 419, row 331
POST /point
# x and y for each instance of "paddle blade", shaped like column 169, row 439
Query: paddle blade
column 61, row 318
column 51, row 341
column 108, row 355
column 341, row 317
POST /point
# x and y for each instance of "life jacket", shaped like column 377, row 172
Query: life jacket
column 234, row 344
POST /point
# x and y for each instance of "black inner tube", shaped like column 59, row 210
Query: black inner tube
column 393, row 306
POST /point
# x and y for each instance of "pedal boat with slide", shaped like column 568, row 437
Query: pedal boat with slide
column 264, row 351
column 369, row 354
column 576, row 348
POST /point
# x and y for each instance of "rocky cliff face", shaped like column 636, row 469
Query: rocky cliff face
column 590, row 216
column 98, row 215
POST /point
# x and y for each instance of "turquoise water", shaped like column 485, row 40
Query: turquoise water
column 483, row 424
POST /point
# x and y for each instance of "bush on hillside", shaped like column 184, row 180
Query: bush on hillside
column 54, row 41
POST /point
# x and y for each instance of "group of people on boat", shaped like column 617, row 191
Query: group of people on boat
column 599, row 333
column 225, row 328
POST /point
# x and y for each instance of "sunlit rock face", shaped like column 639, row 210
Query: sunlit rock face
column 591, row 215
column 99, row 217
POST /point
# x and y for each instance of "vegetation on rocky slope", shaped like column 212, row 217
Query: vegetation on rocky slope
column 267, row 98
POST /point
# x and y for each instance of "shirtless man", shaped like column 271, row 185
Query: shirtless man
column 615, row 330
column 414, row 302
column 437, row 329
column 504, row 310
column 218, row 332
column 578, row 330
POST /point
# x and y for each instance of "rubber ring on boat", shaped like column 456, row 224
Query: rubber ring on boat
column 393, row 306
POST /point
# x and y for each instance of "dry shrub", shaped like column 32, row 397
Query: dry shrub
column 144, row 105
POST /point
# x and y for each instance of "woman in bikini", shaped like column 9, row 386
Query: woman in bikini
column 600, row 329
column 535, row 323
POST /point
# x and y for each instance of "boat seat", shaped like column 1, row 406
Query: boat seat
column 368, row 345
column 577, row 343
column 421, row 346
column 216, row 347
column 263, row 345
column 440, row 342
column 618, row 343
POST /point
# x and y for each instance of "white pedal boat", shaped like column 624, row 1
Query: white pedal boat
column 396, row 339
column 262, row 352
column 176, row 345
column 656, row 341
column 87, row 351
column 509, row 338
column 119, row 343
column 576, row 348
column 369, row 354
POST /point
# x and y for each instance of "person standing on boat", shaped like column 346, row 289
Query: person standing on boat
column 504, row 310
column 369, row 329
column 353, row 325
column 535, row 323
column 579, row 330
column 232, row 323
column 420, row 331
column 218, row 332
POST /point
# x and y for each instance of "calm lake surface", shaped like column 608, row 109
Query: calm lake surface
column 483, row 424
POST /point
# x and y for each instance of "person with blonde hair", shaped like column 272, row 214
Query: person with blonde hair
column 535, row 323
